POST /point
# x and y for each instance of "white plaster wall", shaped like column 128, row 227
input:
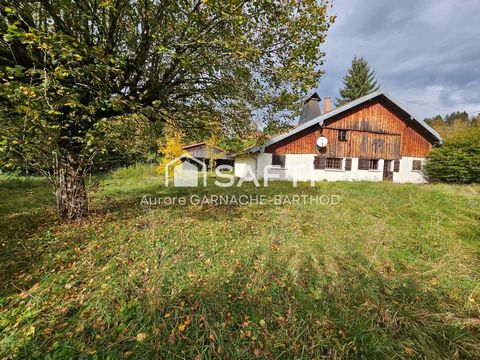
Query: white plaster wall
column 406, row 174
column 300, row 167
column 352, row 175
column 244, row 166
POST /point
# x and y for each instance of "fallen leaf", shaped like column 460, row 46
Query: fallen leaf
column 30, row 331
column 80, row 329
column 141, row 337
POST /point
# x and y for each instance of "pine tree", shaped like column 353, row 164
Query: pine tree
column 359, row 81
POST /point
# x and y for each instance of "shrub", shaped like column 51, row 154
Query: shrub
column 458, row 160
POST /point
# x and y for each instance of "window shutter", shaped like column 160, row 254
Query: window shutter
column 396, row 166
column 319, row 162
column 323, row 162
column 348, row 164
column 363, row 164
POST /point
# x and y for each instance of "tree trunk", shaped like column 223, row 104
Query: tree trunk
column 70, row 191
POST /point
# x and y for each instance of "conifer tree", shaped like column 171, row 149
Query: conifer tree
column 359, row 81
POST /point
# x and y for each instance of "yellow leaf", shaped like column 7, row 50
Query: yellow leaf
column 262, row 322
column 141, row 337
column 182, row 327
column 30, row 331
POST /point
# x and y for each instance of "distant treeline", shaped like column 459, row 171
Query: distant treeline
column 453, row 123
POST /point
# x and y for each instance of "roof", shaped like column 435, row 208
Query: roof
column 319, row 120
column 200, row 144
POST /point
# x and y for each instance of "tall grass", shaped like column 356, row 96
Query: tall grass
column 392, row 271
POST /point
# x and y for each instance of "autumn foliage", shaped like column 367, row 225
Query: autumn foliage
column 170, row 148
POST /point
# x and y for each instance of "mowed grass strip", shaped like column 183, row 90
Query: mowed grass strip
column 391, row 271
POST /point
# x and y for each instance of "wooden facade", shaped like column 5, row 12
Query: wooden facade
column 204, row 151
column 376, row 129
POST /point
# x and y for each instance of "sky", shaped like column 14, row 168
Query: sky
column 425, row 53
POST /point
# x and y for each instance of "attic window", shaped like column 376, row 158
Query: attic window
column 416, row 165
column 278, row 160
column 378, row 144
column 342, row 135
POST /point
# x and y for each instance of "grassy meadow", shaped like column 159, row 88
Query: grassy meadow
column 391, row 271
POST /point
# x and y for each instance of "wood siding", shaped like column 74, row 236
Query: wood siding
column 205, row 152
column 375, row 130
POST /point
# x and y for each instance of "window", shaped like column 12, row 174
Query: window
column 416, row 165
column 342, row 135
column 378, row 145
column 364, row 124
column 367, row 164
column 373, row 164
column 334, row 163
column 278, row 160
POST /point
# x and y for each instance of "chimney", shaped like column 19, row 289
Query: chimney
column 327, row 104
column 311, row 109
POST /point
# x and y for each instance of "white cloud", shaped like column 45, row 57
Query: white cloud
column 424, row 51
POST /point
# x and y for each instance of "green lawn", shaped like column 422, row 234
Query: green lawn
column 392, row 271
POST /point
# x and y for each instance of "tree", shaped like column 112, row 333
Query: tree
column 456, row 116
column 171, row 147
column 451, row 124
column 359, row 81
column 66, row 66
column 457, row 160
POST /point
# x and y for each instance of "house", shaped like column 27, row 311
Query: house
column 207, row 153
column 371, row 139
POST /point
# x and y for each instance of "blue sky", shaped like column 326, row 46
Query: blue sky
column 425, row 53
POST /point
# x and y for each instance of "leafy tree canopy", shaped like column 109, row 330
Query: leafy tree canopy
column 457, row 160
column 66, row 66
column 453, row 123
